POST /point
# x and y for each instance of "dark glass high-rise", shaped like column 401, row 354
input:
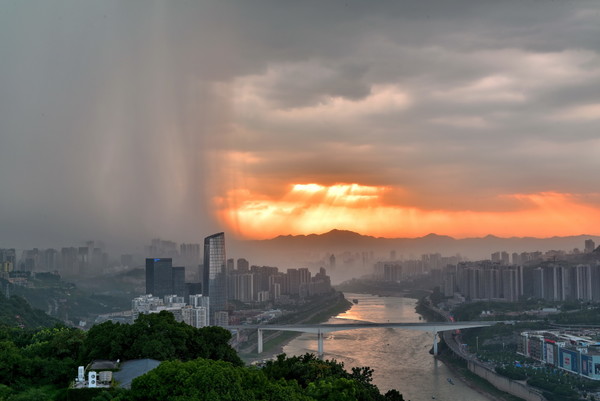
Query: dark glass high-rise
column 159, row 276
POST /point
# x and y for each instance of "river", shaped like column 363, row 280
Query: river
column 400, row 358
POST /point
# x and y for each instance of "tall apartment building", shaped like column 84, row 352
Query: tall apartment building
column 487, row 280
column 215, row 275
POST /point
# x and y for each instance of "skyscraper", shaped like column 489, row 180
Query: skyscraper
column 214, row 283
column 178, row 277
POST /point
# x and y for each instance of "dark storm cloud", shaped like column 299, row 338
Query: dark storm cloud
column 487, row 83
column 119, row 119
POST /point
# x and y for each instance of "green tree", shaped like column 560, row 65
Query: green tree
column 308, row 370
column 333, row 389
column 31, row 394
column 11, row 363
column 204, row 379
column 393, row 395
column 159, row 336
column 5, row 392
column 106, row 341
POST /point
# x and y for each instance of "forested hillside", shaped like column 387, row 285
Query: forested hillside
column 15, row 311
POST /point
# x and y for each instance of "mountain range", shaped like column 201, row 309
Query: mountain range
column 290, row 250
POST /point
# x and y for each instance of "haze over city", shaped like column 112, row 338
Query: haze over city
column 125, row 121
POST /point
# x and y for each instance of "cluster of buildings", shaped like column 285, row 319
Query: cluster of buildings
column 503, row 257
column 69, row 261
column 166, row 287
column 92, row 259
column 483, row 280
column 395, row 271
column 486, row 280
column 574, row 354
column 195, row 313
column 265, row 283
column 552, row 276
column 8, row 260
column 561, row 283
column 206, row 302
column 11, row 277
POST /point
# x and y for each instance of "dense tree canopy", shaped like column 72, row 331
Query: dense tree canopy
column 158, row 336
column 204, row 379
column 198, row 364
column 30, row 358
column 326, row 379
column 302, row 378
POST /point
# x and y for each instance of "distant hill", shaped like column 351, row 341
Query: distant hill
column 16, row 312
column 294, row 250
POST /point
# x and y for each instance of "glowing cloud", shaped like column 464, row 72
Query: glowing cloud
column 315, row 208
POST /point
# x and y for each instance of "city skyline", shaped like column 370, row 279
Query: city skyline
column 130, row 121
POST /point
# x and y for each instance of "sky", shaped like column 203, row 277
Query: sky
column 129, row 120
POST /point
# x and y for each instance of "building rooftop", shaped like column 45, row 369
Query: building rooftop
column 132, row 369
column 102, row 364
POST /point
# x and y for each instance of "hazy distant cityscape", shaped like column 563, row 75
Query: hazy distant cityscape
column 173, row 270
column 201, row 287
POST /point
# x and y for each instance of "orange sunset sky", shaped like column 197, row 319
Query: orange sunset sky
column 313, row 208
column 126, row 121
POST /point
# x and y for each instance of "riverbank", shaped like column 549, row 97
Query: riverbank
column 458, row 365
column 275, row 341
column 482, row 386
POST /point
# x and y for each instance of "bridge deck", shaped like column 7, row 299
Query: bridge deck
column 329, row 327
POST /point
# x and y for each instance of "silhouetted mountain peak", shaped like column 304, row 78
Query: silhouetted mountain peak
column 335, row 233
column 435, row 236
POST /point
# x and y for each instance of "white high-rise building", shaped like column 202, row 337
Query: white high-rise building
column 195, row 317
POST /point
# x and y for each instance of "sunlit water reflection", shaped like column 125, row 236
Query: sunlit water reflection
column 400, row 358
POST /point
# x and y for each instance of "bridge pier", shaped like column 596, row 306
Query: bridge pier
column 260, row 341
column 320, row 344
column 435, row 343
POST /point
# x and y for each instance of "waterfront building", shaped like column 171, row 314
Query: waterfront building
column 570, row 353
column 583, row 282
column 595, row 280
column 292, row 282
column 392, row 272
column 485, row 280
column 538, row 283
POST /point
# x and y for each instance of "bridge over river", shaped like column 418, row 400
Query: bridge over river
column 321, row 329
